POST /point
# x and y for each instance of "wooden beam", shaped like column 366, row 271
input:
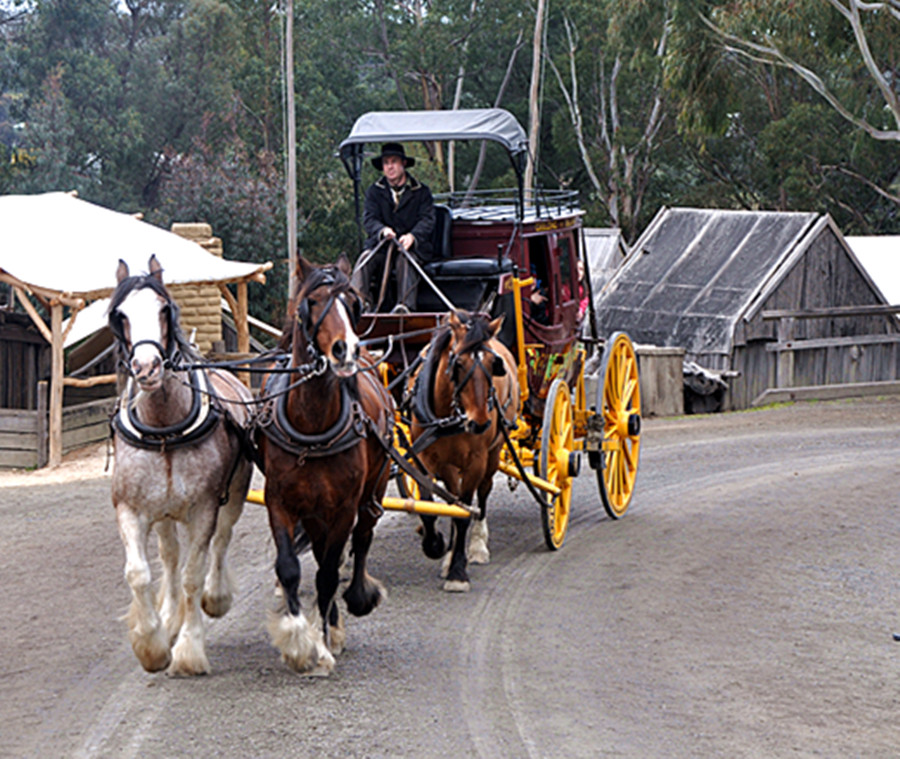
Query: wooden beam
column 812, row 343
column 42, row 430
column 240, row 319
column 239, row 309
column 32, row 312
column 66, row 298
column 835, row 311
column 100, row 379
column 56, row 384
column 826, row 392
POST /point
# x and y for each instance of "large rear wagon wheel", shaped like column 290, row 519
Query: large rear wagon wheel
column 558, row 462
column 619, row 403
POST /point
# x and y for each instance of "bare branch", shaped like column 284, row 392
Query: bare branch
column 866, row 181
column 772, row 55
column 573, row 106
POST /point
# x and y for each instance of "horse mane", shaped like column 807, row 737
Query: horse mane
column 478, row 331
column 138, row 282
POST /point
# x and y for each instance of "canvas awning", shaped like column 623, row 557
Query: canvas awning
column 66, row 251
column 56, row 242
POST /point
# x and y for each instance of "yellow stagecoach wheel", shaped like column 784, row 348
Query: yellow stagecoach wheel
column 558, row 462
column 619, row 401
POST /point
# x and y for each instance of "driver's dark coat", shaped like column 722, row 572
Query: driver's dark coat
column 415, row 213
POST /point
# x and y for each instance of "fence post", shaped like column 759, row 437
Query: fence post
column 785, row 371
column 43, row 424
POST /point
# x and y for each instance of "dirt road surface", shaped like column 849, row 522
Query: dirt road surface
column 744, row 607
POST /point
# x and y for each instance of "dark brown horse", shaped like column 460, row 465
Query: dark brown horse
column 325, row 467
column 466, row 384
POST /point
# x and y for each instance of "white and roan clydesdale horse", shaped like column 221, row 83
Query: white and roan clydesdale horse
column 178, row 458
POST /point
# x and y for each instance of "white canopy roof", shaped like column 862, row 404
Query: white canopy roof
column 58, row 242
column 465, row 124
column 880, row 255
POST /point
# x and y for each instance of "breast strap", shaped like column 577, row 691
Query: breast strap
column 349, row 429
column 196, row 426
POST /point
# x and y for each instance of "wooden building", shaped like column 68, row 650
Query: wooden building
column 765, row 301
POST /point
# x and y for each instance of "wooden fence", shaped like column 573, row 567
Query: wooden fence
column 24, row 434
column 832, row 367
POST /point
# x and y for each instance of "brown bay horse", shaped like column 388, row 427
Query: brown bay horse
column 178, row 458
column 461, row 394
column 326, row 468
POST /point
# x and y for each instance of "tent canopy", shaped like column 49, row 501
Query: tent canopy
column 57, row 242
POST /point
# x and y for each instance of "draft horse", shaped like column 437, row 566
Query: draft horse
column 462, row 392
column 179, row 457
column 325, row 428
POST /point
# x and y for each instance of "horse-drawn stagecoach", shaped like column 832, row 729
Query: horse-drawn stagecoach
column 490, row 251
column 471, row 381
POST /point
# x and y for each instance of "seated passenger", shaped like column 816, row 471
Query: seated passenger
column 397, row 207
column 540, row 301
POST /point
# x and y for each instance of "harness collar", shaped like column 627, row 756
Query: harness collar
column 346, row 432
column 196, row 426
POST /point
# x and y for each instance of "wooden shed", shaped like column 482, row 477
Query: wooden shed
column 763, row 300
column 59, row 255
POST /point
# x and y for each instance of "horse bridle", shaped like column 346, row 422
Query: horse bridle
column 453, row 362
column 327, row 277
column 168, row 355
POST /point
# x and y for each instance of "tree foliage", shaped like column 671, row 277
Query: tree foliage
column 175, row 107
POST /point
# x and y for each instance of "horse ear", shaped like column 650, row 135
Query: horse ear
column 156, row 269
column 457, row 327
column 304, row 268
column 121, row 272
column 496, row 325
column 343, row 264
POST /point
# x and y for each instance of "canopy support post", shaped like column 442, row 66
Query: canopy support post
column 57, row 362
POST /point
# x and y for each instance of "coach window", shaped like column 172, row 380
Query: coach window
column 564, row 254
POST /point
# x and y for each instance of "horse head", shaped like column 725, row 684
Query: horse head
column 326, row 309
column 472, row 366
column 144, row 319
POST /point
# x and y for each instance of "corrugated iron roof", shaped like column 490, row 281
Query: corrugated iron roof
column 694, row 272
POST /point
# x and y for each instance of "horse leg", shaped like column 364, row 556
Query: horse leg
column 433, row 545
column 168, row 596
column 289, row 629
column 146, row 632
column 327, row 580
column 457, row 578
column 219, row 587
column 479, row 553
column 364, row 592
column 189, row 651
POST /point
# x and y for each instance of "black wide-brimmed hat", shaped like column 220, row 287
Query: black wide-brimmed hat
column 392, row 148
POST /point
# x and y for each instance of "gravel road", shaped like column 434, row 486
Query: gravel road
column 744, row 607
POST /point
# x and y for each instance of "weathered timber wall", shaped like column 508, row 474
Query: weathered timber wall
column 661, row 380
column 23, row 433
